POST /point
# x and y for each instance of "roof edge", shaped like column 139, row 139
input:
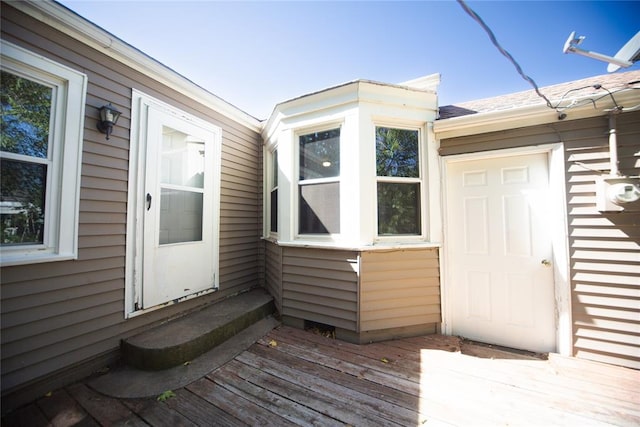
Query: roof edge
column 283, row 110
column 70, row 23
column 529, row 115
column 343, row 94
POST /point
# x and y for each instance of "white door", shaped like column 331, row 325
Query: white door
column 179, row 256
column 499, row 248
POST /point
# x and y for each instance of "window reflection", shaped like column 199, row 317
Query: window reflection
column 26, row 112
column 319, row 202
column 22, row 199
column 24, row 144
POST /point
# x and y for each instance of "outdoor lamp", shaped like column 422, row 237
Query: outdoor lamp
column 108, row 117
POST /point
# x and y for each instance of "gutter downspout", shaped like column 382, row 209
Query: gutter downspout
column 613, row 142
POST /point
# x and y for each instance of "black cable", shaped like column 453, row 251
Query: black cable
column 595, row 99
column 567, row 93
column 503, row 51
column 610, row 94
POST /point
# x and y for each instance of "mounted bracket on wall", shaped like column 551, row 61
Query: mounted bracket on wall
column 108, row 117
column 617, row 194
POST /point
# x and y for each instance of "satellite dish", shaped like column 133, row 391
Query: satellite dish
column 629, row 52
column 625, row 57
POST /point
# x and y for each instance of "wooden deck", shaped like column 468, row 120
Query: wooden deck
column 294, row 377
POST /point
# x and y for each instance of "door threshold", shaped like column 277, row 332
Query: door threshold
column 494, row 351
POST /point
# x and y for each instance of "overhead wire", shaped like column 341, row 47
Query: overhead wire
column 593, row 100
column 503, row 51
column 556, row 107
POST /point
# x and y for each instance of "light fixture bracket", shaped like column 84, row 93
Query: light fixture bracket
column 109, row 116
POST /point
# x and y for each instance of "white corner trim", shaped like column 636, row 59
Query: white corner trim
column 73, row 25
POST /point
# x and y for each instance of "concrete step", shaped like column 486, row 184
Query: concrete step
column 184, row 339
column 127, row 382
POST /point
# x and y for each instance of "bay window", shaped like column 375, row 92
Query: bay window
column 354, row 164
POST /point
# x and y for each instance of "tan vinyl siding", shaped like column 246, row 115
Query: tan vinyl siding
column 273, row 272
column 399, row 288
column 604, row 248
column 522, row 137
column 321, row 286
column 59, row 315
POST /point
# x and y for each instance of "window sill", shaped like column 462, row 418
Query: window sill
column 382, row 246
column 8, row 260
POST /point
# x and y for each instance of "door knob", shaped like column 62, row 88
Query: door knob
column 148, row 201
column 546, row 262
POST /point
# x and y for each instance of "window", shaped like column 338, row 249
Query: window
column 40, row 152
column 319, row 183
column 398, row 181
column 273, row 190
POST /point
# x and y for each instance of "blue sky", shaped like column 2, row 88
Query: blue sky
column 256, row 54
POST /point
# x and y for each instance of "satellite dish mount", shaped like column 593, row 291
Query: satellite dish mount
column 625, row 57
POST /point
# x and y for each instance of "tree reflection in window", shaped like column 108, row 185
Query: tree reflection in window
column 396, row 152
column 24, row 145
column 398, row 189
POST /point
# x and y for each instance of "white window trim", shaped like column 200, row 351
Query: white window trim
column 271, row 151
column 422, row 179
column 330, row 237
column 65, row 156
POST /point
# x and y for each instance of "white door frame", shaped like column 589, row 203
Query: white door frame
column 136, row 204
column 560, row 262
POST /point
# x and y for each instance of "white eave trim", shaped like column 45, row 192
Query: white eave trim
column 530, row 115
column 73, row 25
column 350, row 93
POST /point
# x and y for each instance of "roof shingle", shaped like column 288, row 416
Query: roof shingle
column 560, row 95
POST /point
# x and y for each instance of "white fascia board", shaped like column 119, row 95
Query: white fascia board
column 73, row 25
column 493, row 121
column 430, row 82
column 400, row 96
column 308, row 105
column 359, row 91
column 531, row 115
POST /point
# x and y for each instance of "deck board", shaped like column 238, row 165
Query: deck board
column 105, row 410
column 295, row 377
column 157, row 415
column 64, row 410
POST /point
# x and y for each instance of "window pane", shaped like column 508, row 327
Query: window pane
column 274, row 171
column 320, row 208
column 26, row 114
column 397, row 152
column 180, row 216
column 22, row 197
column 398, row 208
column 274, row 210
column 320, row 154
column 182, row 159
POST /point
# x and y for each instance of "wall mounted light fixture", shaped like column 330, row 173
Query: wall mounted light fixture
column 108, row 117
